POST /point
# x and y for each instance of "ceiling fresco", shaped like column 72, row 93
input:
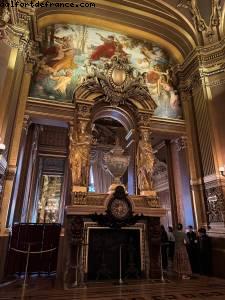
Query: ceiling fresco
column 69, row 50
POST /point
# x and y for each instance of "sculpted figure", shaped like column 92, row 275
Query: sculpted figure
column 145, row 162
column 79, row 154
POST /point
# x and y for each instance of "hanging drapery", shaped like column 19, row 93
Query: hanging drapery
column 102, row 178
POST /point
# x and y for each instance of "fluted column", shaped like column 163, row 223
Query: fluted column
column 171, row 179
column 194, row 162
column 17, row 194
column 14, row 147
column 28, row 206
column 214, row 90
column 182, row 182
column 7, row 85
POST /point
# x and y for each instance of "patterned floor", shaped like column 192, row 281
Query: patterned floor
column 43, row 289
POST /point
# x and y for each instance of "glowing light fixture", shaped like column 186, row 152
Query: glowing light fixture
column 221, row 170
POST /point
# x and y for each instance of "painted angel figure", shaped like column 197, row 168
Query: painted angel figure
column 145, row 163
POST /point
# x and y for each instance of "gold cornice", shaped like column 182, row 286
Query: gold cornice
column 65, row 112
column 204, row 61
column 177, row 12
column 147, row 7
column 79, row 19
column 148, row 15
column 55, row 103
column 169, row 121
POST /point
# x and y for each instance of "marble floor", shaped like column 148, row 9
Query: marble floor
column 43, row 289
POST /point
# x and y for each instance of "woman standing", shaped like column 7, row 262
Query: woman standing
column 181, row 261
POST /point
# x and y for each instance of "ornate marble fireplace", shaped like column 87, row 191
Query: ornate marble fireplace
column 102, row 212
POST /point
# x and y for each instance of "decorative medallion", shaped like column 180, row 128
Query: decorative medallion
column 118, row 81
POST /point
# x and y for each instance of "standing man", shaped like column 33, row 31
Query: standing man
column 192, row 249
column 204, row 252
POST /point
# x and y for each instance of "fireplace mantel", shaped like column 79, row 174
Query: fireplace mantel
column 92, row 203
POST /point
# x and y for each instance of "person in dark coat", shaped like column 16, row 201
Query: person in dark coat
column 204, row 252
column 171, row 243
column 164, row 245
column 192, row 249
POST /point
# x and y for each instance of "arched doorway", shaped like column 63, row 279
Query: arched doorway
column 107, row 123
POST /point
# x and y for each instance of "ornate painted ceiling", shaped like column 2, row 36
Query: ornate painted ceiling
column 177, row 25
column 69, row 53
column 174, row 24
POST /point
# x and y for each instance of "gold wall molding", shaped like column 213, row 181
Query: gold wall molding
column 37, row 109
column 212, row 180
column 202, row 62
column 215, row 83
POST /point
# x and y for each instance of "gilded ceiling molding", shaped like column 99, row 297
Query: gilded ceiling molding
column 157, row 11
column 207, row 33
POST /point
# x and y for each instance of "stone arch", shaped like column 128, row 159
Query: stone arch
column 123, row 115
column 126, row 118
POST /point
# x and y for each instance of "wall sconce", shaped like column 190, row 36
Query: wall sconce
column 2, row 149
column 222, row 171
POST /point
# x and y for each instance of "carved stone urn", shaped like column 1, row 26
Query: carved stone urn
column 116, row 163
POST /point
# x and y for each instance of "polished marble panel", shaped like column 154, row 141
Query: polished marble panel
column 197, row 288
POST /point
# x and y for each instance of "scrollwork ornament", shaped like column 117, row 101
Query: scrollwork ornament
column 4, row 20
column 116, row 81
column 144, row 120
column 181, row 143
column 216, row 205
column 84, row 110
column 79, row 198
column 209, row 31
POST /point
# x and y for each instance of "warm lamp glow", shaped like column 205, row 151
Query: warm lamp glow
column 221, row 170
column 2, row 147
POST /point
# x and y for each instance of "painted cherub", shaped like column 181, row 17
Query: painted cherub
column 62, row 81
